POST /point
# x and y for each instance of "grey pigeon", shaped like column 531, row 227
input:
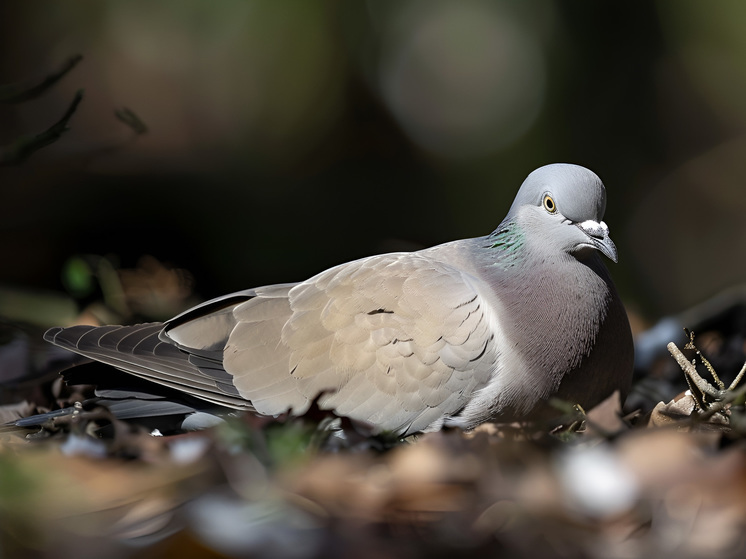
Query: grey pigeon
column 458, row 334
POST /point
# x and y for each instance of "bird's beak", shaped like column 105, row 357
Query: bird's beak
column 598, row 234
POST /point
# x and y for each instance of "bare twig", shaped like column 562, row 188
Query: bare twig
column 722, row 397
column 18, row 93
column 706, row 363
column 738, row 378
column 23, row 147
column 691, row 371
column 132, row 120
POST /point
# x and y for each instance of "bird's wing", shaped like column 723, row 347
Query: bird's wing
column 399, row 340
column 139, row 351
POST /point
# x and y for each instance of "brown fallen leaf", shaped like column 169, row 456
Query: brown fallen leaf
column 682, row 413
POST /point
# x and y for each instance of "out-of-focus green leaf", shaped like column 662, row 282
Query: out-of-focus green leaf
column 77, row 277
column 289, row 443
column 40, row 308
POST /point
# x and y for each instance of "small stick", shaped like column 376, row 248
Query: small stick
column 691, row 371
column 738, row 378
column 707, row 364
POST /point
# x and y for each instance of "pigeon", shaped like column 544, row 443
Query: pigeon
column 483, row 329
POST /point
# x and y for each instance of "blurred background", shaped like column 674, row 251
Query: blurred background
column 275, row 138
column 286, row 137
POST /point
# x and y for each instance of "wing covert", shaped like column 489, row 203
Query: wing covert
column 400, row 340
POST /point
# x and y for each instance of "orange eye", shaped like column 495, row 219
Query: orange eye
column 549, row 204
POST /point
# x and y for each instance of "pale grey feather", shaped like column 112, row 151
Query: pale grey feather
column 458, row 334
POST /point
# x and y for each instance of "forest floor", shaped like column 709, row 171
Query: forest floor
column 665, row 478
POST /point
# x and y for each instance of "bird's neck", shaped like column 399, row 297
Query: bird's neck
column 505, row 247
column 537, row 294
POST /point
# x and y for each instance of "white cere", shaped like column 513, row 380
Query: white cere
column 594, row 228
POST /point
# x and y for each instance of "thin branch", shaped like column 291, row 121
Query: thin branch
column 723, row 398
column 705, row 362
column 691, row 371
column 18, row 93
column 23, row 147
column 132, row 120
column 738, row 378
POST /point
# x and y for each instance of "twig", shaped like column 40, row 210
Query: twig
column 706, row 363
column 691, row 371
column 23, row 147
column 132, row 120
column 18, row 93
column 738, row 378
column 723, row 397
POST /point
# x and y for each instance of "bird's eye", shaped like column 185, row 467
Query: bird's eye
column 549, row 204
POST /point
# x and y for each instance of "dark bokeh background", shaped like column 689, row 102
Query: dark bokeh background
column 285, row 137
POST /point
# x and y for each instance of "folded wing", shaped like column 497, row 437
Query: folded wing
column 400, row 340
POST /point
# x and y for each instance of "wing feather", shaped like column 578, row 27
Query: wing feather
column 138, row 351
column 393, row 332
column 400, row 340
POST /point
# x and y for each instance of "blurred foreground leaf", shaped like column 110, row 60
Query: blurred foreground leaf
column 47, row 497
column 39, row 308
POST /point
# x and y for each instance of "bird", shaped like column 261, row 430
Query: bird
column 482, row 329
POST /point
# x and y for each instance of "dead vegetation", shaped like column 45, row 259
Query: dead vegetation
column 665, row 480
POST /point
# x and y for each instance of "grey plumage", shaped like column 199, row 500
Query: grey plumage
column 457, row 334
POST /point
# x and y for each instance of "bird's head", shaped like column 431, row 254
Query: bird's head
column 564, row 205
